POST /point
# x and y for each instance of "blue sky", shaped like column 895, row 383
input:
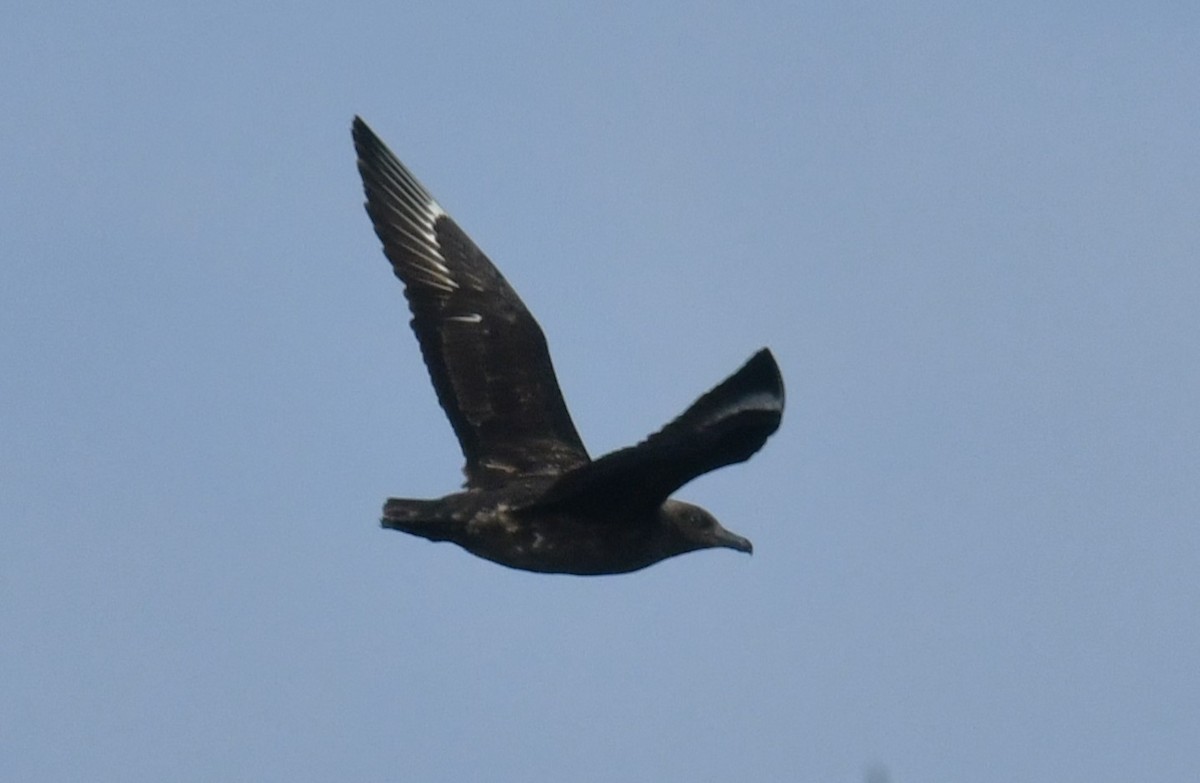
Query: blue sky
column 969, row 235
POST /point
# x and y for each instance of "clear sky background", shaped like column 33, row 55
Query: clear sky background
column 971, row 237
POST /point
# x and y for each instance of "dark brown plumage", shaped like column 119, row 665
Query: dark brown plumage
column 533, row 498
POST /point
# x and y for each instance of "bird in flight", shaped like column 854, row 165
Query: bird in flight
column 533, row 498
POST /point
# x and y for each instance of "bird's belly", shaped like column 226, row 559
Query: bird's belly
column 558, row 546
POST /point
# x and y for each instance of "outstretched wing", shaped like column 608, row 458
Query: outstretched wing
column 727, row 425
column 485, row 353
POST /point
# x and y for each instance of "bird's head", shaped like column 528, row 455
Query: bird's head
column 691, row 527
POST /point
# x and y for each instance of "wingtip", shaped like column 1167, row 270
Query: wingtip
column 762, row 365
column 764, row 355
column 363, row 135
column 370, row 148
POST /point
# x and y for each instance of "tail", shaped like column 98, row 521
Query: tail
column 425, row 518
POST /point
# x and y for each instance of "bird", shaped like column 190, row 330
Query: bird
column 533, row 498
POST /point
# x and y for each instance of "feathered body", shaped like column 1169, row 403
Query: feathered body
column 534, row 499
